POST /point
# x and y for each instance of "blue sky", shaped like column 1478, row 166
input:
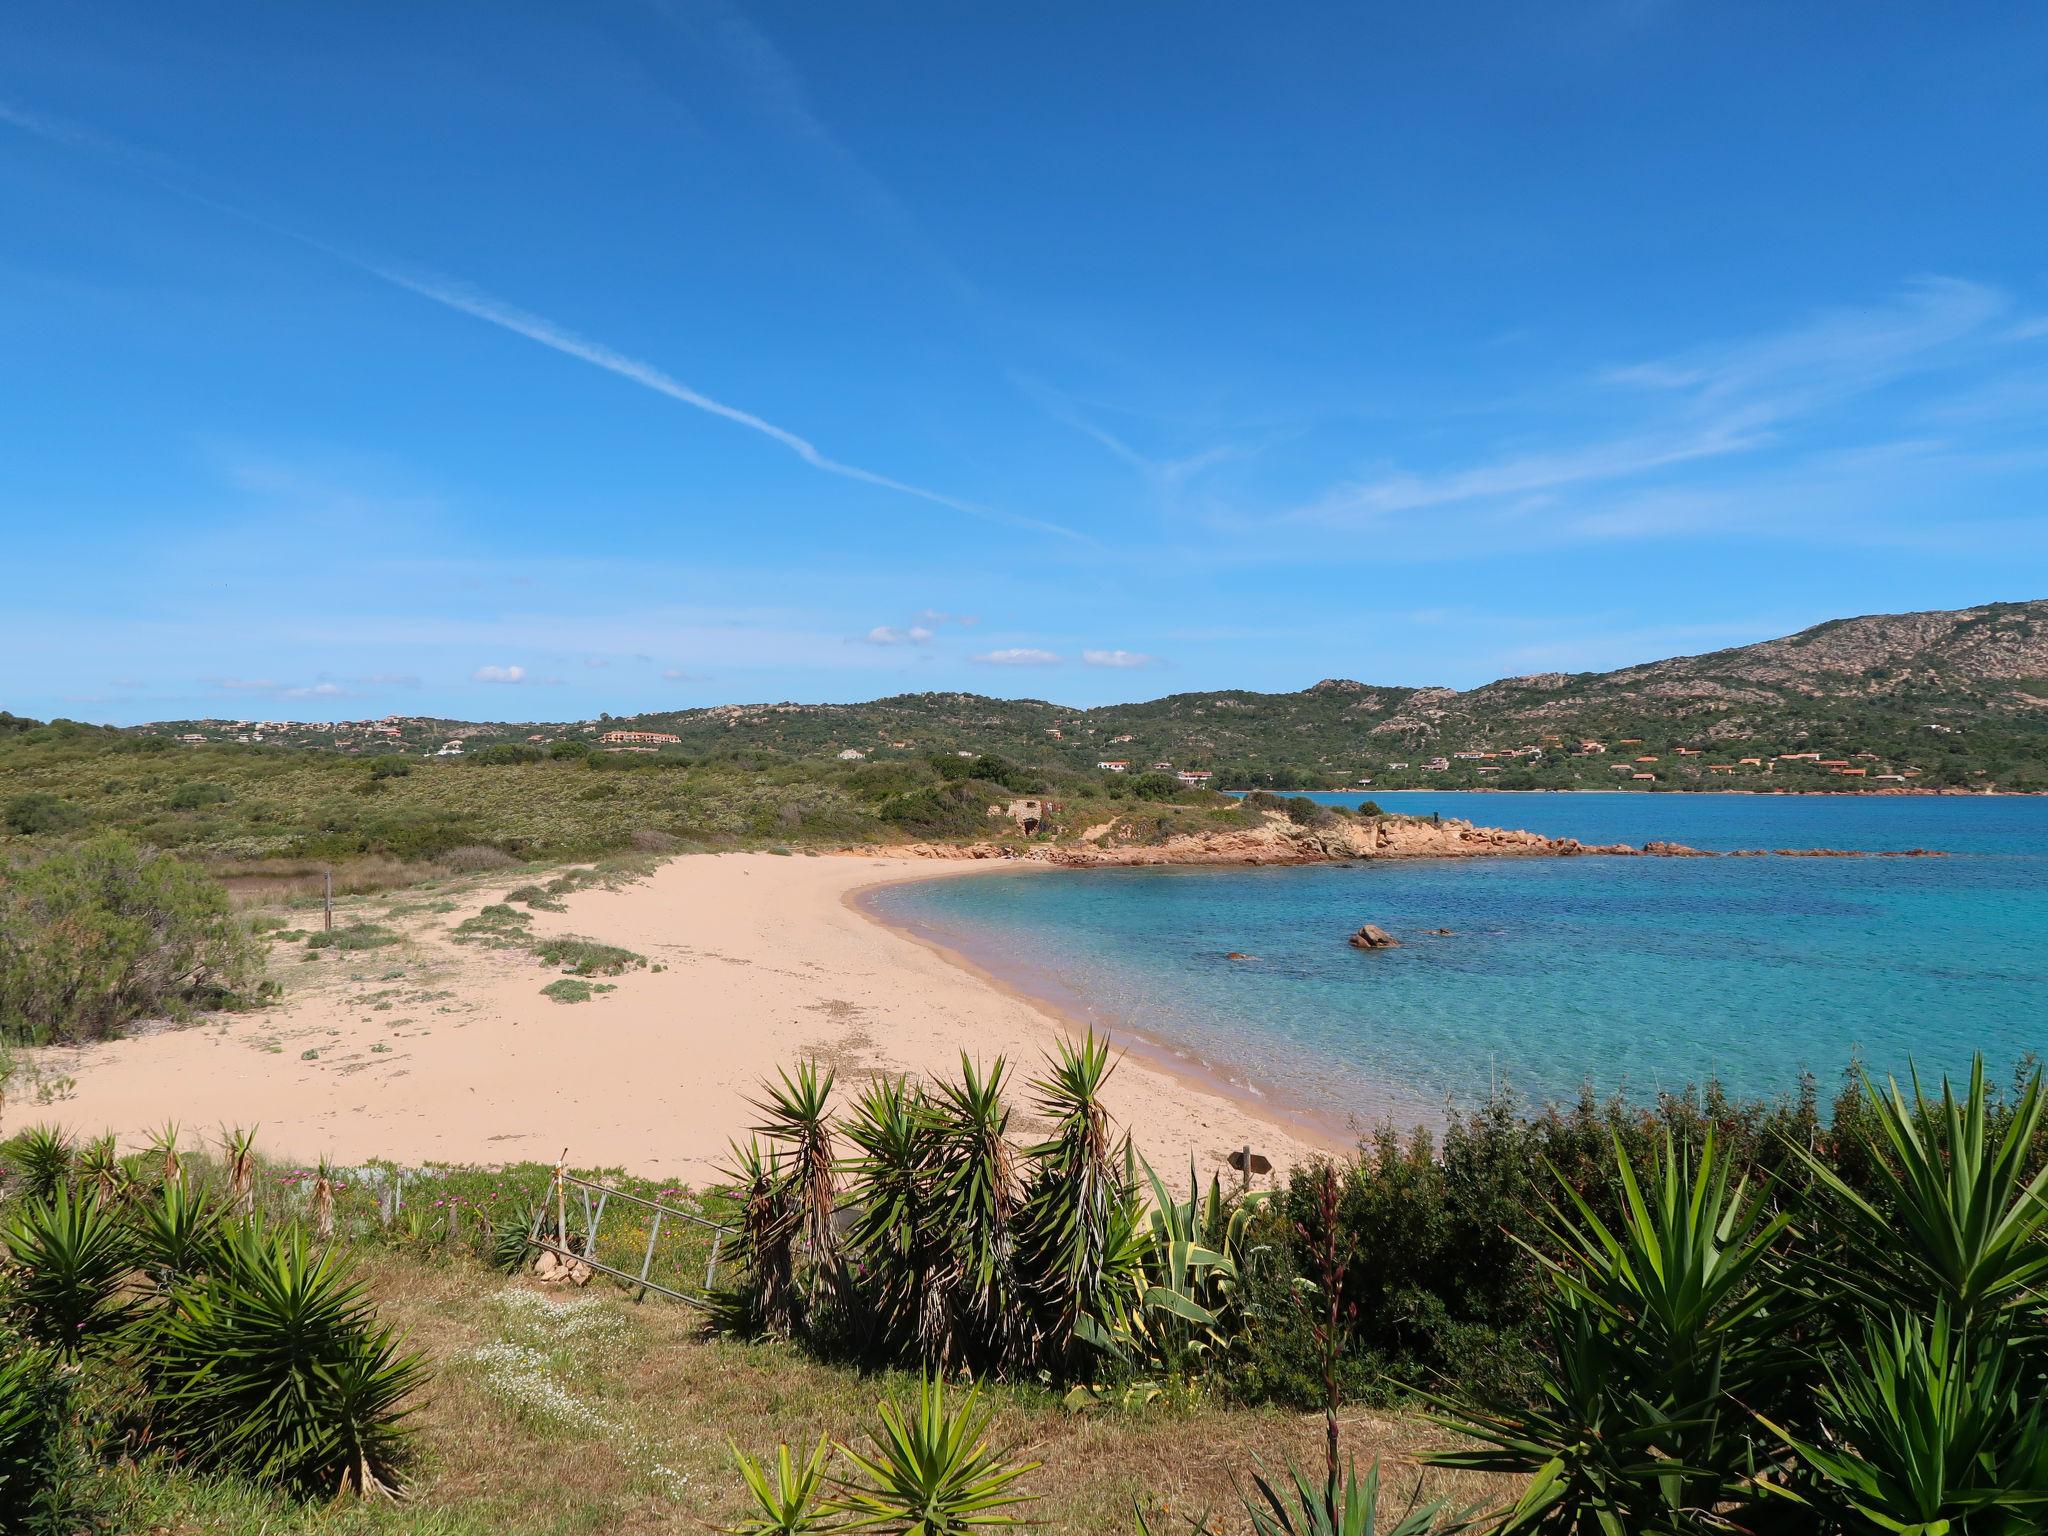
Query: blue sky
column 527, row 361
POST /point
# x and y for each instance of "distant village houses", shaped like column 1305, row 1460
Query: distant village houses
column 640, row 739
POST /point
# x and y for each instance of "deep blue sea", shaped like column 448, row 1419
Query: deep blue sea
column 1640, row 974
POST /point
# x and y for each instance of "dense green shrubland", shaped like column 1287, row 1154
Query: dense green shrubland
column 103, row 931
column 1707, row 1316
column 238, row 805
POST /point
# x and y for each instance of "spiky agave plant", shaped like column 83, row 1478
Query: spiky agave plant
column 41, row 1158
column 163, row 1149
column 896, row 1236
column 1924, row 1429
column 929, row 1469
column 100, row 1174
column 275, row 1366
column 980, row 1314
column 71, row 1259
column 1079, row 1197
column 796, row 1118
column 238, row 1151
column 791, row 1498
column 177, row 1233
column 1297, row 1507
column 1662, row 1328
column 1957, row 1222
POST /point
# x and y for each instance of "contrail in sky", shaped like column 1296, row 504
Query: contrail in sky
column 533, row 327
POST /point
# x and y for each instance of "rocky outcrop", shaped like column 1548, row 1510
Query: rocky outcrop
column 1372, row 936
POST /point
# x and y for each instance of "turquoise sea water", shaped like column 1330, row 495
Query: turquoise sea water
column 1625, row 973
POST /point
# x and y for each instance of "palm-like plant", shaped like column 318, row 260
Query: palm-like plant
column 41, row 1159
column 177, row 1234
column 275, row 1366
column 765, row 1246
column 1080, row 1196
column 1958, row 1223
column 1926, row 1431
column 68, row 1279
column 901, row 1243
column 1659, row 1328
column 163, row 1147
column 323, row 1201
column 977, row 1203
column 930, row 1471
column 791, row 1498
column 100, row 1173
column 238, row 1150
column 796, row 1119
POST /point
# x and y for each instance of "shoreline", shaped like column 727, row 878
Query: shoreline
column 429, row 1049
column 1325, row 1132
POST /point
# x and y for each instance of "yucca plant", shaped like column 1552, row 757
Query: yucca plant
column 100, row 1174
column 275, row 1366
column 790, row 1499
column 977, row 1206
column 1079, row 1198
column 896, row 1234
column 930, row 1471
column 323, row 1201
column 67, row 1279
column 1661, row 1328
column 765, row 1246
column 238, row 1151
column 796, row 1119
column 41, row 1159
column 1925, row 1431
column 1957, row 1222
column 511, row 1239
column 163, row 1149
column 176, row 1234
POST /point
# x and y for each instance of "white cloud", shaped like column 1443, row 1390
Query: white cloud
column 889, row 634
column 1117, row 658
column 499, row 675
column 316, row 691
column 934, row 616
column 1019, row 656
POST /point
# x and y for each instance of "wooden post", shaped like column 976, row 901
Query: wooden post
column 327, row 897
column 1245, row 1184
column 561, row 1201
column 711, row 1269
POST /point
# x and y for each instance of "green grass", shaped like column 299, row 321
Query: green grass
column 570, row 990
column 353, row 936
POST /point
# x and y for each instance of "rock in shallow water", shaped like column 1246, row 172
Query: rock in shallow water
column 1372, row 936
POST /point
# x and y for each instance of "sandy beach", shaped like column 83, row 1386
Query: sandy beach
column 429, row 1050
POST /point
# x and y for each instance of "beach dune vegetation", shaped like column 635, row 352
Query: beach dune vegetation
column 104, row 932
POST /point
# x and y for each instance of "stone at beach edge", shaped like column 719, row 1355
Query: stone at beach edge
column 1372, row 936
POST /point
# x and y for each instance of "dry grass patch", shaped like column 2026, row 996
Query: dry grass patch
column 582, row 1412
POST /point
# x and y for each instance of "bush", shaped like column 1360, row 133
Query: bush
column 190, row 797
column 33, row 1399
column 108, row 932
column 504, row 753
column 39, row 812
column 353, row 936
column 390, row 767
column 478, row 860
column 275, row 1366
